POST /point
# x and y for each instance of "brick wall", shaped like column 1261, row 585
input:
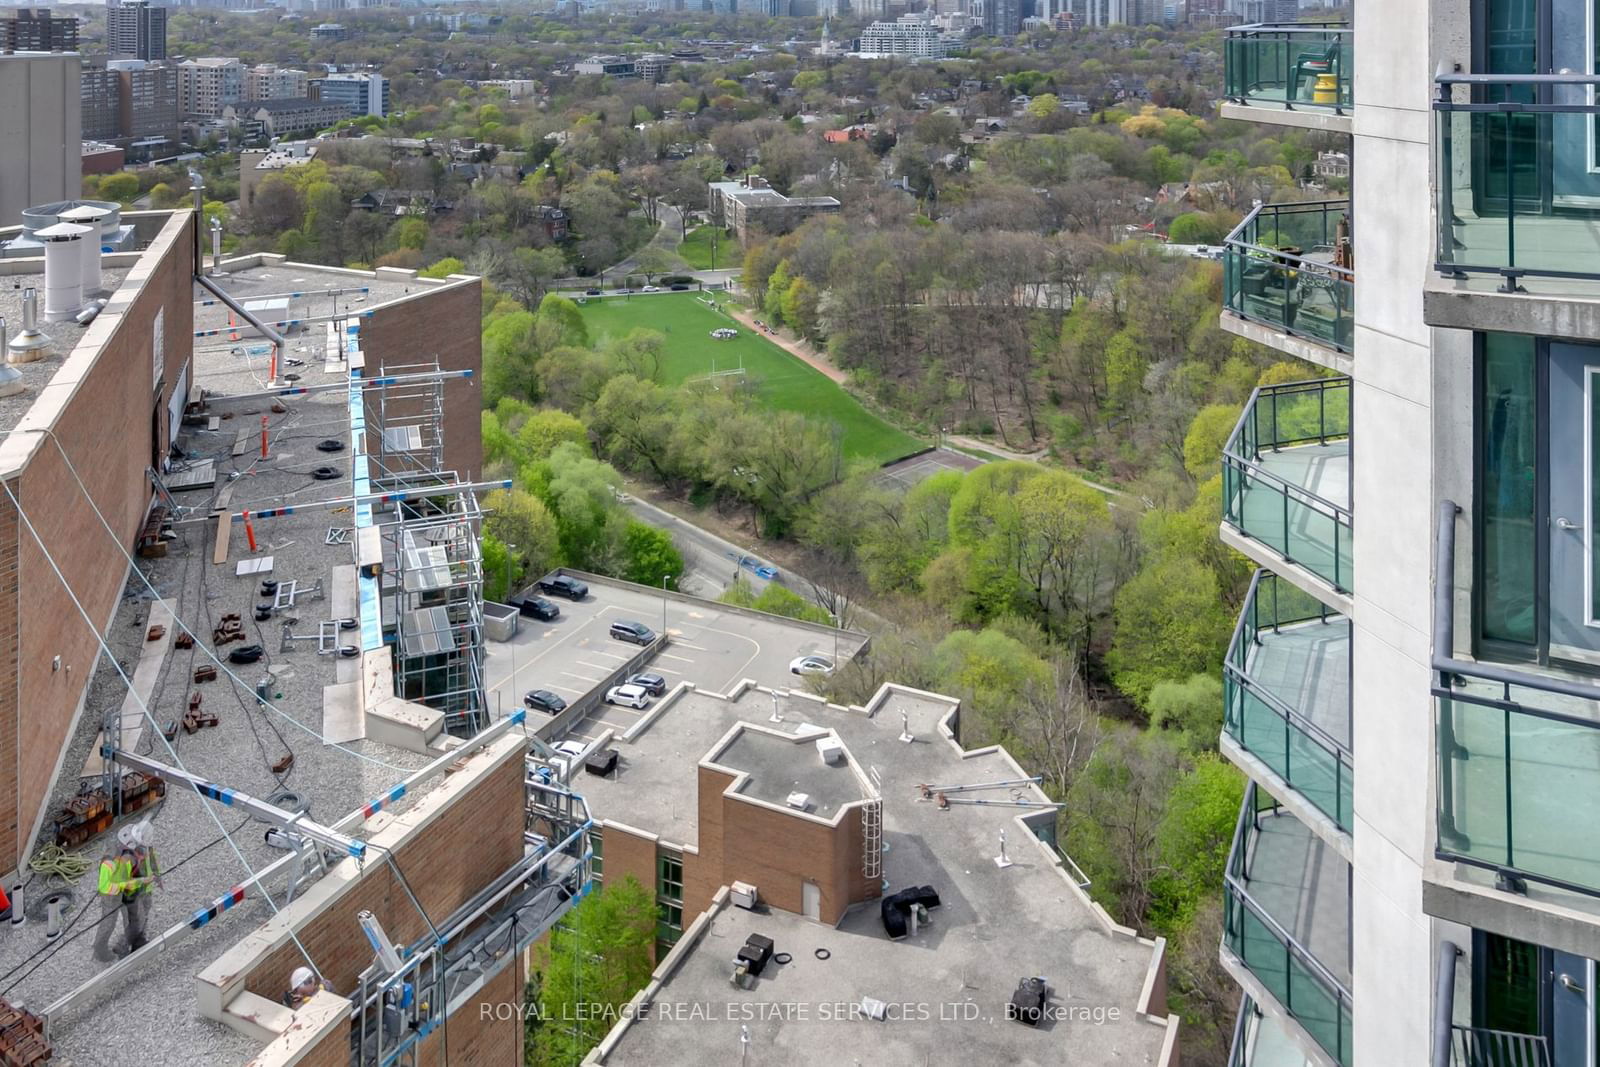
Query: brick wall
column 9, row 613
column 476, row 1038
column 629, row 854
column 449, row 860
column 442, row 323
column 106, row 427
column 705, row 876
column 776, row 852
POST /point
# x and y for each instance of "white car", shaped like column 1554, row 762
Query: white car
column 650, row 289
column 811, row 665
column 565, row 757
column 629, row 696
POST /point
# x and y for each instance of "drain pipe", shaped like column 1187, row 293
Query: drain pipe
column 1444, row 998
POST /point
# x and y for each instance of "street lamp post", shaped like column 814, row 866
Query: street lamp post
column 516, row 622
column 665, row 578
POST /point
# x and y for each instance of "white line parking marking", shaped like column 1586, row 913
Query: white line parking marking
column 608, row 668
column 680, row 659
column 607, row 655
column 685, row 644
column 580, row 677
column 666, row 670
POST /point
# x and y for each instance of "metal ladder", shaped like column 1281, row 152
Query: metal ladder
column 872, row 839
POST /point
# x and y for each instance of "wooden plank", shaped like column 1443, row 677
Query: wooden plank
column 152, row 654
column 240, row 444
column 219, row 548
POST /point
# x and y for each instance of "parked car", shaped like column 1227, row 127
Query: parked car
column 653, row 684
column 624, row 292
column 650, row 289
column 811, row 665
column 591, row 292
column 561, row 585
column 629, row 696
column 628, row 630
column 567, row 754
column 546, row 701
column 679, row 287
column 537, row 607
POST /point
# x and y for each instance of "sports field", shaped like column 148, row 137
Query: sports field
column 787, row 384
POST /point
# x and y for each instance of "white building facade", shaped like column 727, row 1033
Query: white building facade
column 1412, row 686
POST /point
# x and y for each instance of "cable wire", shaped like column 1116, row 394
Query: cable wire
column 143, row 708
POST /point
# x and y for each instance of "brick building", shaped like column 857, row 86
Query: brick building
column 751, row 204
column 771, row 812
column 37, row 30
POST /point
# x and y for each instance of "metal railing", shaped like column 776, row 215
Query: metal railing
column 1286, row 266
column 1290, row 66
column 1302, row 527
column 1310, row 760
column 394, row 1013
column 1306, row 989
column 1474, row 1046
column 1514, row 754
column 1515, row 157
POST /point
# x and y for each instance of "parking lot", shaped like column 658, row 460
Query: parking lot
column 710, row 646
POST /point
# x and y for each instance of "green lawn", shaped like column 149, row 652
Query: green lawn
column 696, row 249
column 787, row 384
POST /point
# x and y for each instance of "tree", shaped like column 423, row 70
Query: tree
column 1191, row 710
column 121, row 186
column 1115, row 811
column 163, row 195
column 442, row 269
column 509, row 359
column 1208, row 433
column 653, row 260
column 1043, row 106
column 1195, row 835
column 592, row 964
column 994, row 670
column 527, row 273
column 649, row 556
column 1170, row 624
column 580, row 493
column 521, row 523
column 558, row 322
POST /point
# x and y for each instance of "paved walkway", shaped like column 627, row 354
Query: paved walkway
column 798, row 349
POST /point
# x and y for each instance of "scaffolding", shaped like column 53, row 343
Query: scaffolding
column 395, row 1012
column 432, row 589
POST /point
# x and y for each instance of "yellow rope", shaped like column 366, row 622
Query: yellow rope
column 55, row 861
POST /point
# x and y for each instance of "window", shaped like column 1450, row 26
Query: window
column 1508, row 417
column 597, row 857
column 669, row 899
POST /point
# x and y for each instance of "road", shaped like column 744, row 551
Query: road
column 711, row 560
column 669, row 235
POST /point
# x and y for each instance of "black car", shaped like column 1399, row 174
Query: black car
column 637, row 632
column 561, row 585
column 537, row 607
column 680, row 287
column 544, row 700
column 591, row 292
column 653, row 684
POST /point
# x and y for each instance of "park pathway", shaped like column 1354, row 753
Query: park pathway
column 798, row 349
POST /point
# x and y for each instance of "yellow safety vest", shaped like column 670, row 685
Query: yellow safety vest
column 116, row 875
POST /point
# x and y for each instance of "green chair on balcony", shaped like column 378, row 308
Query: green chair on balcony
column 1318, row 58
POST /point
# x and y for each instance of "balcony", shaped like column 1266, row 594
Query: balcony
column 1517, row 783
column 1288, row 281
column 1296, row 74
column 1286, row 937
column 1286, row 484
column 1260, row 1040
column 1286, row 692
column 1517, row 177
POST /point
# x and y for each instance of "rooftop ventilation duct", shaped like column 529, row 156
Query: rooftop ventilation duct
column 10, row 377
column 91, row 216
column 63, row 269
column 30, row 344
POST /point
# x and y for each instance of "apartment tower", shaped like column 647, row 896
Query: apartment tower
column 1412, row 686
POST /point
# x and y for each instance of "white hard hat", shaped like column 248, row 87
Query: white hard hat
column 142, row 833
column 300, row 977
column 128, row 836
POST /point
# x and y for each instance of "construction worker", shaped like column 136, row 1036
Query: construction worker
column 147, row 872
column 303, row 985
column 118, row 886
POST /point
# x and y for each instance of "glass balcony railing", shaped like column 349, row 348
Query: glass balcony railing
column 1288, row 267
column 1295, row 66
column 1286, row 476
column 1517, row 174
column 1259, row 1040
column 1286, row 692
column 1278, row 894
column 1518, row 759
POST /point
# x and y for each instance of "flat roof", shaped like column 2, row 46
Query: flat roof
column 154, row 1006
column 946, row 986
column 776, row 765
column 64, row 335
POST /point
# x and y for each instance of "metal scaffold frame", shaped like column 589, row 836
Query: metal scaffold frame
column 442, row 971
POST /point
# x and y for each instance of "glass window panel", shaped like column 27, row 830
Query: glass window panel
column 1510, row 985
column 1508, row 417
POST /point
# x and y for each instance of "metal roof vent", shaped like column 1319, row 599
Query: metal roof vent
column 10, row 377
column 63, row 269
column 88, row 215
column 30, row 344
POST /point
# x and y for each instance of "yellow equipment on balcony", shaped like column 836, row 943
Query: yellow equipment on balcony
column 1326, row 90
